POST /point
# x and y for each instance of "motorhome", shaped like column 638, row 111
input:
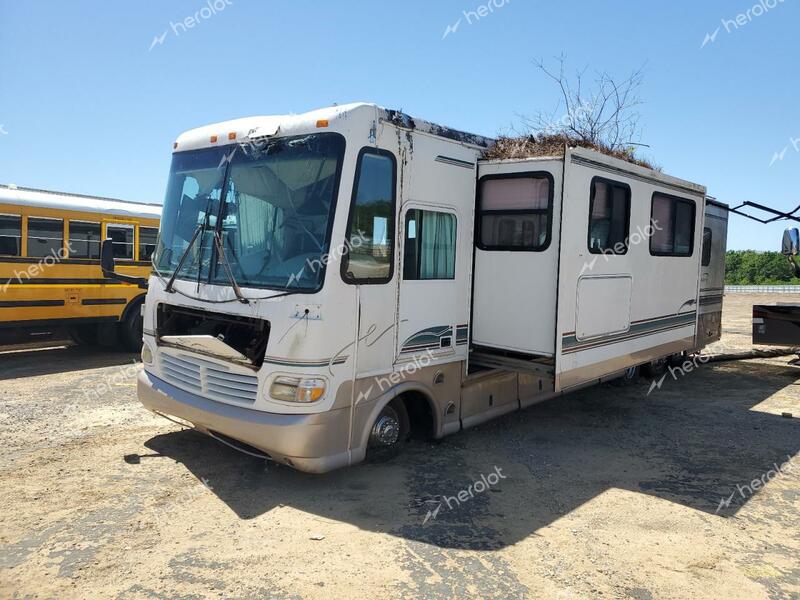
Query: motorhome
column 328, row 284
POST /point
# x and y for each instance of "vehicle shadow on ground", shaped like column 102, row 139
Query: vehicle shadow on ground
column 696, row 442
column 65, row 359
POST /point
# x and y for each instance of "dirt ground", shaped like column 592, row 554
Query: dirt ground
column 607, row 493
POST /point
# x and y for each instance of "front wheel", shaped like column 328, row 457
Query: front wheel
column 131, row 329
column 389, row 432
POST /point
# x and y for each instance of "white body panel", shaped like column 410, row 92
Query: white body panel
column 514, row 293
column 656, row 296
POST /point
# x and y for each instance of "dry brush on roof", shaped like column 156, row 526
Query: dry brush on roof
column 533, row 146
column 600, row 115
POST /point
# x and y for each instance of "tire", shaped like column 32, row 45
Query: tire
column 84, row 335
column 131, row 329
column 630, row 377
column 676, row 360
column 389, row 432
column 656, row 368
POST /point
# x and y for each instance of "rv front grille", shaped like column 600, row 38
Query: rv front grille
column 208, row 379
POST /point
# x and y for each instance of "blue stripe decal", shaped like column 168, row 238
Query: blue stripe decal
column 571, row 344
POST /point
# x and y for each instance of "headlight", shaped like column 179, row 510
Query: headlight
column 147, row 355
column 294, row 389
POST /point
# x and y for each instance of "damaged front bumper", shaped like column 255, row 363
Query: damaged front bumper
column 314, row 443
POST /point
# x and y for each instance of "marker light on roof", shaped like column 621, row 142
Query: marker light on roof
column 322, row 123
column 232, row 135
column 213, row 139
column 175, row 146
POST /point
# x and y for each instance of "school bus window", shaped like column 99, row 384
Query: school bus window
column 122, row 239
column 10, row 235
column 147, row 242
column 84, row 239
column 45, row 237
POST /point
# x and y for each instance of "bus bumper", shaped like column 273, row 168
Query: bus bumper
column 314, row 443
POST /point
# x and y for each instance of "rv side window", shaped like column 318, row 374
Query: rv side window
column 515, row 212
column 609, row 217
column 429, row 251
column 122, row 240
column 708, row 238
column 147, row 242
column 369, row 245
column 45, row 237
column 672, row 220
column 10, row 235
column 84, row 239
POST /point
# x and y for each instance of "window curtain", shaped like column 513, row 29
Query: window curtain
column 438, row 245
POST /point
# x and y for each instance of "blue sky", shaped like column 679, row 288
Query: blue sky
column 87, row 106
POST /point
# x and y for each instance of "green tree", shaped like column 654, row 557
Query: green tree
column 748, row 267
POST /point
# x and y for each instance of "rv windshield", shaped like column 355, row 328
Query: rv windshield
column 272, row 205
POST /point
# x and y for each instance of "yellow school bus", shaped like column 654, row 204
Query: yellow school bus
column 51, row 284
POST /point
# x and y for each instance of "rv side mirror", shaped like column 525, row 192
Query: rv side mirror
column 791, row 242
column 107, row 263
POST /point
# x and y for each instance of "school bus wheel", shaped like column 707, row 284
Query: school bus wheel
column 84, row 335
column 131, row 327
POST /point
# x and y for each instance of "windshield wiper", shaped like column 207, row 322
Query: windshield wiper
column 228, row 270
column 169, row 288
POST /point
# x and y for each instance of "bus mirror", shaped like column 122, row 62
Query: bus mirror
column 791, row 242
column 107, row 258
column 108, row 265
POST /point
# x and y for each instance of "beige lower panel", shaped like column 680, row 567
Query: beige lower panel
column 596, row 372
column 441, row 384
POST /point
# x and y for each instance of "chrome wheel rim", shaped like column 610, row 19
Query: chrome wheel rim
column 386, row 431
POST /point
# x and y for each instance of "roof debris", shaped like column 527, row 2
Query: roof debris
column 530, row 146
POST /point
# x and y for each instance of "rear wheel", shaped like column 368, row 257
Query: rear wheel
column 389, row 432
column 84, row 335
column 677, row 360
column 656, row 368
column 630, row 377
column 131, row 329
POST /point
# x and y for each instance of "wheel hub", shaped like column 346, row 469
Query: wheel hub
column 386, row 431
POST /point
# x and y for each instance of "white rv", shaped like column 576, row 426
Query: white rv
column 327, row 284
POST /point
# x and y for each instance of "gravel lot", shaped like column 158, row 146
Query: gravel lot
column 607, row 493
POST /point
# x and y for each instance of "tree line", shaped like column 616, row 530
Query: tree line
column 748, row 267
